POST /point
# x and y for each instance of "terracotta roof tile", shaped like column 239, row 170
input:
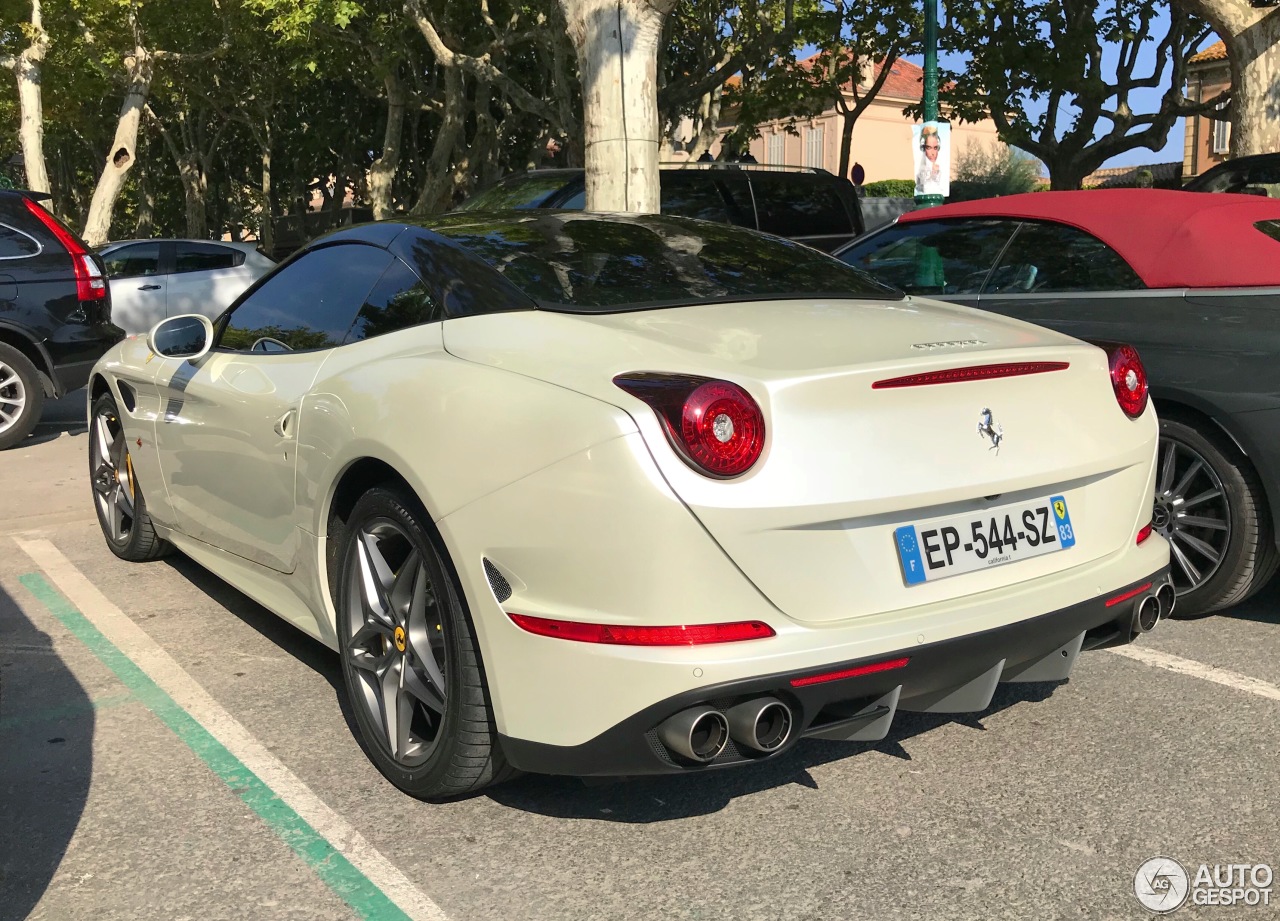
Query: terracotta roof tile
column 1215, row 52
column 905, row 80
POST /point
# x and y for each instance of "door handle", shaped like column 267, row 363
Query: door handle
column 149, row 288
column 284, row 425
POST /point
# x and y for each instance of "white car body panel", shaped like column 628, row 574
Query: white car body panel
column 842, row 461
column 509, row 429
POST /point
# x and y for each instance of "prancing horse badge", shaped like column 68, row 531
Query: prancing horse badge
column 990, row 429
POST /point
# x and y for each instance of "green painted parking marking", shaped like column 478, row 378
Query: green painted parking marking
column 348, row 883
column 66, row 711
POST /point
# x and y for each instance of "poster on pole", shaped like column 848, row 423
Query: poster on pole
column 931, row 149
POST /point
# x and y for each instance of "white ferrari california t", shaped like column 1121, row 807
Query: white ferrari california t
column 614, row 495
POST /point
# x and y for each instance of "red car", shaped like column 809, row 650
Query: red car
column 1193, row 281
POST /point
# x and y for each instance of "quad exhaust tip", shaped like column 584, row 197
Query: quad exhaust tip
column 1146, row 615
column 698, row 734
column 1152, row 608
column 762, row 725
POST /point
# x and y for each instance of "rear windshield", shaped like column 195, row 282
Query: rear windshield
column 1270, row 228
column 519, row 192
column 597, row 263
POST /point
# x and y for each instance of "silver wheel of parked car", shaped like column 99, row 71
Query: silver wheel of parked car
column 1211, row 508
column 117, row 497
column 397, row 640
column 409, row 655
column 1192, row 513
column 21, row 396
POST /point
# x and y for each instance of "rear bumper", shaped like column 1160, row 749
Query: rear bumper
column 954, row 675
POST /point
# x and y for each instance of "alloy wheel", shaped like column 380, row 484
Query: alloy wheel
column 1192, row 513
column 13, row 397
column 114, row 488
column 397, row 640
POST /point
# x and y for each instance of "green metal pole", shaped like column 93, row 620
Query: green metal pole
column 930, row 82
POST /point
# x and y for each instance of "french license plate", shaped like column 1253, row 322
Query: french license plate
column 980, row 540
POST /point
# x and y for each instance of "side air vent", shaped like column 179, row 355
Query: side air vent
column 128, row 395
column 501, row 587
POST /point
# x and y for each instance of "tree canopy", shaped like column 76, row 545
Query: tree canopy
column 204, row 117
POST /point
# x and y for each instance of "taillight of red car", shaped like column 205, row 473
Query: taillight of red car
column 715, row 426
column 91, row 285
column 1128, row 377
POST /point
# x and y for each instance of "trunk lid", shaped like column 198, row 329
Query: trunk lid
column 812, row 523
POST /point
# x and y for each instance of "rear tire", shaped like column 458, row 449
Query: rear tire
column 1203, row 483
column 117, row 496
column 21, row 396
column 409, row 654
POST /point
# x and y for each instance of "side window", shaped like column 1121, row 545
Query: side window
column 204, row 257
column 575, row 202
column 932, row 257
column 799, row 205
column 693, row 196
column 309, row 304
column 1053, row 258
column 398, row 301
column 134, row 261
column 14, row 244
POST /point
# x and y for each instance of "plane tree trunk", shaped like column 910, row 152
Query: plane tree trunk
column 617, row 46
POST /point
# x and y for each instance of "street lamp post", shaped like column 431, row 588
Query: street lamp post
column 930, row 82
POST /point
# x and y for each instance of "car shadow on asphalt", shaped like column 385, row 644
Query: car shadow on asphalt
column 310, row 652
column 46, row 760
column 663, row 798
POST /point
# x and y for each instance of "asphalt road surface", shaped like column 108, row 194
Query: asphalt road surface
column 169, row 750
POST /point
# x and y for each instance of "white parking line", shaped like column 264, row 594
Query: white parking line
column 1198, row 670
column 116, row 626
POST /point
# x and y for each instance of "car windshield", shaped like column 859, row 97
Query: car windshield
column 599, row 264
column 518, row 192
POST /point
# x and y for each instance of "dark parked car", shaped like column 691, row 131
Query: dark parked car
column 811, row 206
column 55, row 312
column 1194, row 282
column 1255, row 175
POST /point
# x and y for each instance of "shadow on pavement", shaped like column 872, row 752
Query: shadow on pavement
column 310, row 652
column 667, row 797
column 46, row 760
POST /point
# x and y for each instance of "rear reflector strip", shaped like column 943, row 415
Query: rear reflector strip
column 1132, row 593
column 625, row 635
column 1144, row 532
column 886, row 666
column 974, row 373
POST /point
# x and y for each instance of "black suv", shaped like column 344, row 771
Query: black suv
column 808, row 205
column 55, row 312
column 1258, row 174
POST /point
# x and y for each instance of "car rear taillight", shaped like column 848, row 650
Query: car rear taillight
column 715, row 426
column 91, row 285
column 1128, row 377
column 1143, row 533
column 627, row 635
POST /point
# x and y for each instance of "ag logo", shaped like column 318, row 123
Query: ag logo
column 1161, row 885
column 1060, row 509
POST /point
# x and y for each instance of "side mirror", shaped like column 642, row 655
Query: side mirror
column 189, row 336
